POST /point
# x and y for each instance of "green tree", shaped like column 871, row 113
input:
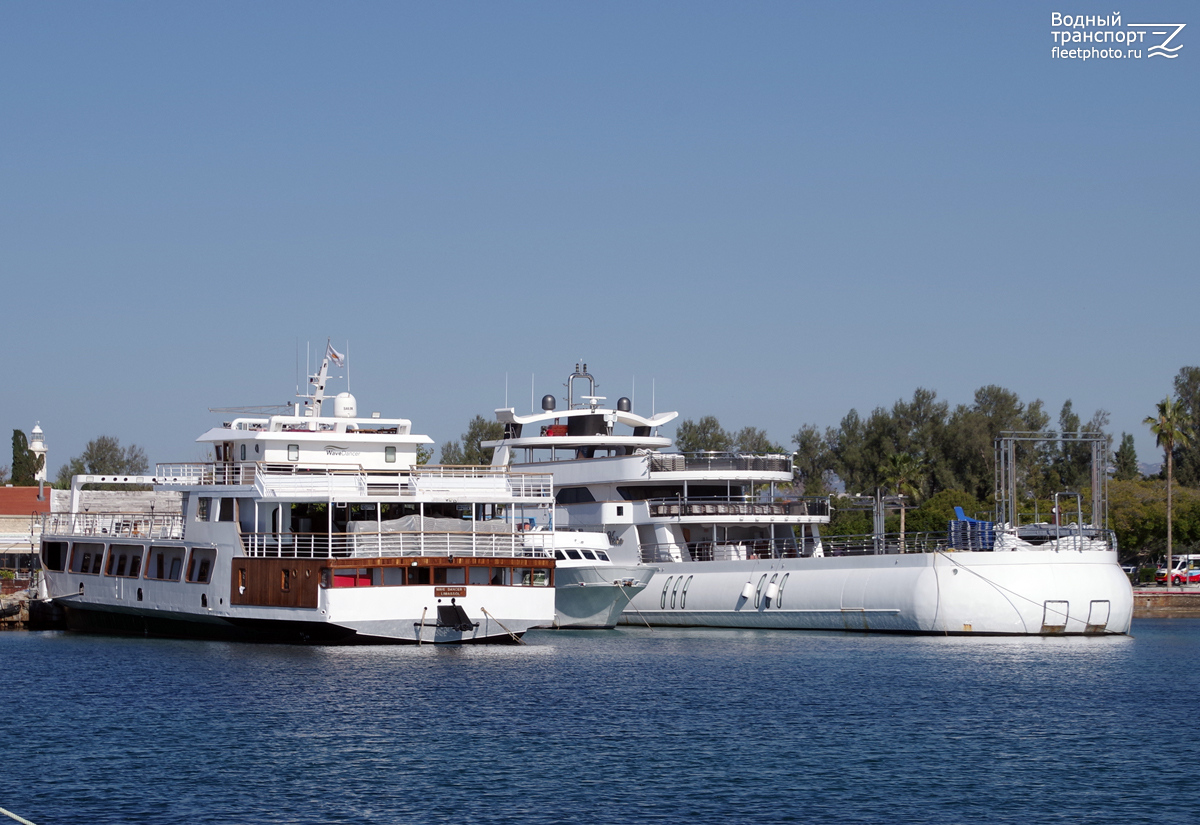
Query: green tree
column 424, row 453
column 1125, row 460
column 1170, row 430
column 1187, row 458
column 902, row 475
column 469, row 449
column 104, row 456
column 754, row 440
column 25, row 465
column 703, row 435
column 813, row 458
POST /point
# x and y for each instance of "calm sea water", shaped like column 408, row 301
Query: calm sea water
column 620, row 726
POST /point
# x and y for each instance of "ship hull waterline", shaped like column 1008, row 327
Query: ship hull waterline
column 945, row 593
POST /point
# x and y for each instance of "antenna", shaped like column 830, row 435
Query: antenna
column 506, row 390
column 531, row 407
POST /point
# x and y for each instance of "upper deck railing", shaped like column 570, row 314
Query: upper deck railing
column 375, row 545
column 737, row 506
column 342, row 479
column 122, row 525
column 720, row 461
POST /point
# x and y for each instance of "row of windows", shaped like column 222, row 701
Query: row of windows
column 293, row 450
column 395, row 576
column 581, row 554
column 127, row 560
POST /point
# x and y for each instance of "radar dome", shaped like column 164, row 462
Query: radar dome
column 344, row 406
column 547, row 402
column 624, row 404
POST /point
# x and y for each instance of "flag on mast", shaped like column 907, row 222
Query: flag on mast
column 334, row 355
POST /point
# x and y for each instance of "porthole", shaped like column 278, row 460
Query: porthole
column 683, row 595
column 675, row 590
column 758, row 591
column 662, row 603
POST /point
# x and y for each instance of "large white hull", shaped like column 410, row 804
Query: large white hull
column 1018, row 593
column 410, row 614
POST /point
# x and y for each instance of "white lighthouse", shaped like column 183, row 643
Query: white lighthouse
column 37, row 446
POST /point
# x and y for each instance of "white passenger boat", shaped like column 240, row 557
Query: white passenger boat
column 311, row 528
column 730, row 547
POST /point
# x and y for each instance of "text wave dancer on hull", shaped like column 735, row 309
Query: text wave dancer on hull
column 324, row 528
column 729, row 549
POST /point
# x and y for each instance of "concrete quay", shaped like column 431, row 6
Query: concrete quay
column 1166, row 603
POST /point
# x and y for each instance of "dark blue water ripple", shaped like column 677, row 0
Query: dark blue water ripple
column 614, row 727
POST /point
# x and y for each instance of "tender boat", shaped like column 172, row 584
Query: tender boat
column 312, row 528
column 732, row 547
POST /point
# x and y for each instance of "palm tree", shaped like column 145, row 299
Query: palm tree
column 902, row 474
column 1170, row 429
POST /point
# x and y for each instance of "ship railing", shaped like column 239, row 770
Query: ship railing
column 779, row 548
column 119, row 525
column 869, row 544
column 233, row 473
column 723, row 461
column 374, row 545
column 466, row 478
column 737, row 506
column 349, row 479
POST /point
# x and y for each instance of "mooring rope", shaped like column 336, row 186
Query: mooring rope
column 20, row 819
column 518, row 639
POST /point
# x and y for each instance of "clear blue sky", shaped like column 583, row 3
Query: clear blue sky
column 767, row 212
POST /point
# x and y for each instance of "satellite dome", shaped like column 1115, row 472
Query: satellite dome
column 344, row 406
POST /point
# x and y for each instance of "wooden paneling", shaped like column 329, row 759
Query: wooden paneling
column 265, row 581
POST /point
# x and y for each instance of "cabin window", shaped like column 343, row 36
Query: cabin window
column 588, row 554
column 86, row 557
column 782, row 584
column 393, row 575
column 226, row 513
column 285, row 583
column 54, row 555
column 477, row 575
column 129, row 559
column 293, row 452
column 675, row 590
column 758, row 591
column 166, row 563
column 419, row 575
column 602, row 556
column 389, row 455
column 572, row 553
column 527, row 577
column 662, row 602
column 501, row 575
column 243, row 452
column 203, row 505
column 200, row 563
column 620, row 509
column 353, row 577
column 449, row 575
column 573, row 495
